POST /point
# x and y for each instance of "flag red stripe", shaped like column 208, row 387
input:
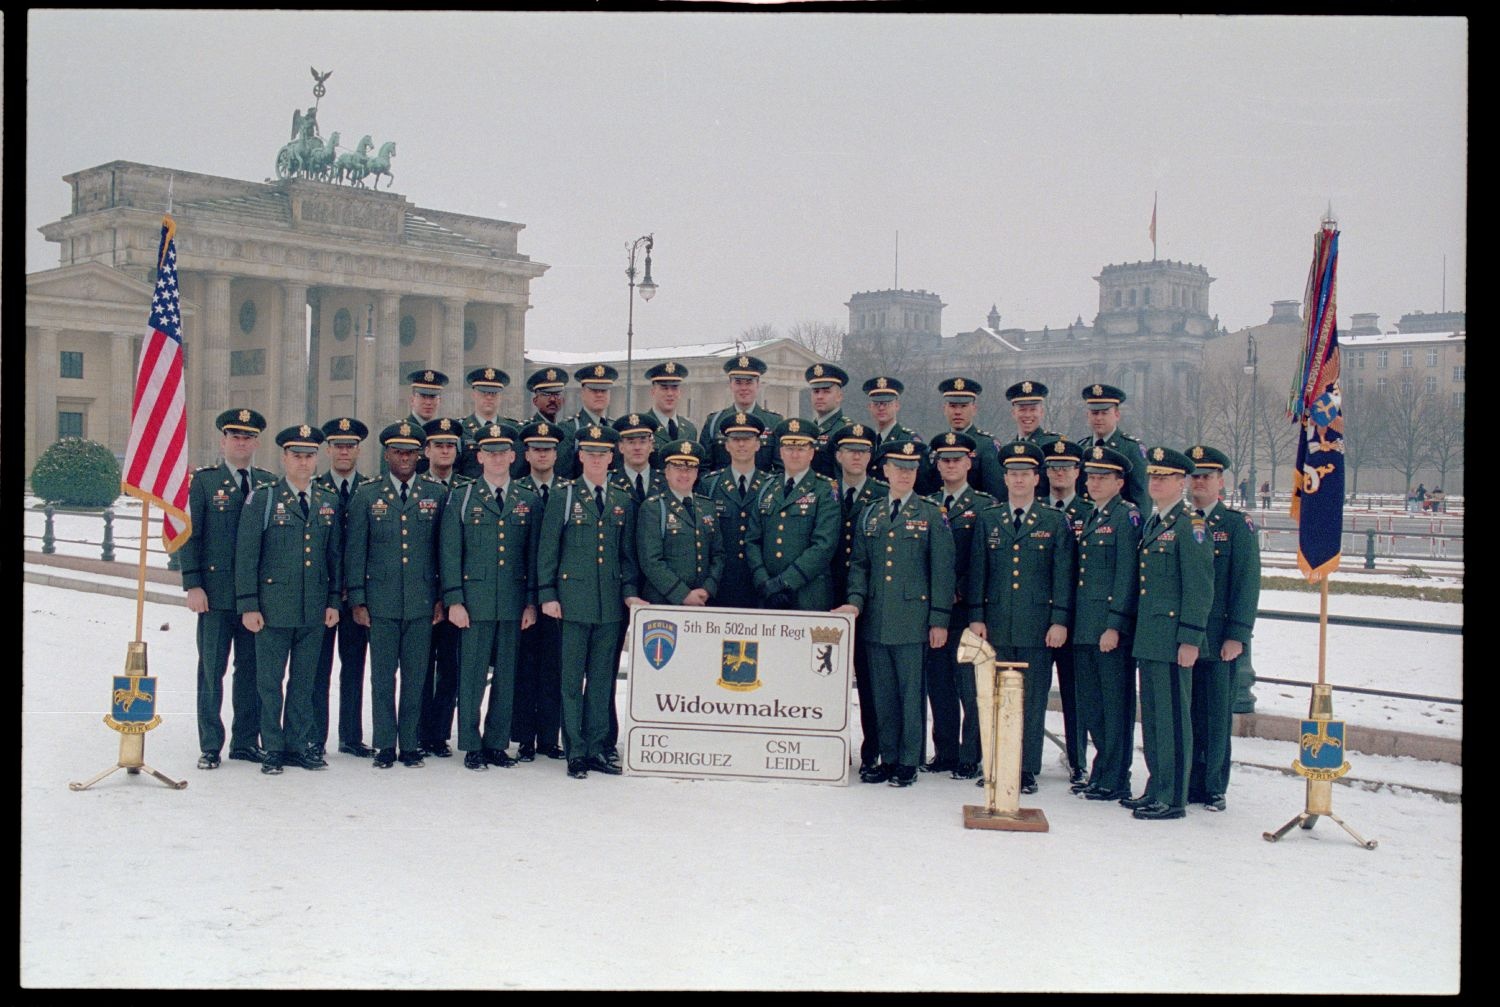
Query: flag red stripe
column 149, row 354
column 162, row 402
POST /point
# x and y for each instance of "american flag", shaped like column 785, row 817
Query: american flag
column 156, row 461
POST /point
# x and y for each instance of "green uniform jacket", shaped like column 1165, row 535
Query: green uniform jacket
column 390, row 555
column 214, row 502
column 986, row 471
column 678, row 552
column 1020, row 582
column 795, row 538
column 328, row 482
column 723, row 488
column 1177, row 586
column 521, row 467
column 962, row 517
column 287, row 568
column 468, row 463
column 901, row 577
column 767, row 458
column 488, row 554
column 584, row 560
column 567, row 449
column 1134, row 489
column 686, row 431
column 1236, row 578
column 654, row 480
column 872, row 490
column 824, row 462
column 1107, row 569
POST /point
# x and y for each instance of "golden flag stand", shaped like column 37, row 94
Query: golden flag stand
column 1000, row 688
column 133, row 705
column 1320, row 715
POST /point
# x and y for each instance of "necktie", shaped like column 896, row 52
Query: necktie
column 344, row 492
column 1058, row 504
column 1151, row 525
column 895, row 509
column 791, row 484
column 1016, row 523
column 403, row 494
column 244, row 481
column 302, row 499
column 672, row 429
column 848, row 498
column 544, row 496
column 947, row 503
column 1200, row 512
column 742, row 485
column 687, row 505
column 599, row 499
column 640, row 487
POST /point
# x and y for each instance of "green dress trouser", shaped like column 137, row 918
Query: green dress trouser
column 483, row 645
column 896, row 675
column 407, row 643
column 590, row 661
column 273, row 645
column 1167, row 729
column 217, row 631
column 1213, row 723
column 1106, row 710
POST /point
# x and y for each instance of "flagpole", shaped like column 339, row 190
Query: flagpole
column 1323, row 632
column 140, row 577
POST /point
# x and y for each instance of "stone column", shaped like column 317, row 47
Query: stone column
column 44, row 390
column 452, row 356
column 121, row 389
column 513, row 349
column 389, row 393
column 291, row 346
column 213, row 351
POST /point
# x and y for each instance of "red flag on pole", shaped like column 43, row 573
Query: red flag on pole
column 156, row 459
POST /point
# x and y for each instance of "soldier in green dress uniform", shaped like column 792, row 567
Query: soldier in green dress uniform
column 1103, row 405
column 342, row 437
column 734, row 489
column 884, row 402
column 1020, row 590
column 678, row 546
column 744, row 373
column 951, row 692
column 1230, row 623
column 486, row 388
column 596, row 384
column 794, row 528
column 546, row 387
column 826, row 390
column 288, row 580
column 633, row 470
column 391, row 568
column 440, row 689
column 1176, row 596
column 901, row 590
column 857, row 489
column 536, row 722
column 426, row 399
column 491, row 530
column 666, row 393
column 214, row 500
column 1028, row 408
column 1062, row 468
column 587, row 575
column 960, row 406
column 1104, row 622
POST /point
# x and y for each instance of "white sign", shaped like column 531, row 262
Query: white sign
column 739, row 693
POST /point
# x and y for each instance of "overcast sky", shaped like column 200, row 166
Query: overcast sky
column 775, row 156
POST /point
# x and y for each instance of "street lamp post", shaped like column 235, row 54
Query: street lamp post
column 648, row 291
column 1244, row 669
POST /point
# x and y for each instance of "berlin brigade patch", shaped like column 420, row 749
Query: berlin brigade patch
column 659, row 638
column 1199, row 531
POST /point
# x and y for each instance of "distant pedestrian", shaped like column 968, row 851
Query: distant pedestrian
column 1265, row 495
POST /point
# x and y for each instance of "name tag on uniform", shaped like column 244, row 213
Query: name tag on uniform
column 577, row 509
column 379, row 507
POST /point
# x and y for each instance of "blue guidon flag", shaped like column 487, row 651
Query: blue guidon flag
column 1315, row 405
column 659, row 638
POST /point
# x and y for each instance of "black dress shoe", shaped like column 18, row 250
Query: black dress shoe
column 1077, row 778
column 527, row 753
column 940, row 766
column 578, row 769
column 903, row 776
column 208, row 760
column 272, row 765
column 1137, row 802
column 475, row 760
column 309, row 758
column 601, row 764
column 321, row 748
column 965, row 770
column 252, row 754
column 356, row 748
column 878, row 773
column 438, row 750
column 413, row 759
column 498, row 757
column 1028, row 783
column 1079, row 786
column 385, row 758
column 1101, row 794
column 1158, row 811
column 611, row 754
column 552, row 752
column 1215, row 802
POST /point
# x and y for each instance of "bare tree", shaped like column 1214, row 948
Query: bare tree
column 1405, row 433
column 1274, row 433
column 1446, row 441
column 1362, row 421
column 1227, row 416
column 826, row 339
column 764, row 332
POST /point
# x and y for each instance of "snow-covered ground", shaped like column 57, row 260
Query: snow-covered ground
column 440, row 877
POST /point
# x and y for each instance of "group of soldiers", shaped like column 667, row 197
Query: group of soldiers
column 490, row 569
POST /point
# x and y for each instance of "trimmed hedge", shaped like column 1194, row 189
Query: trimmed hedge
column 77, row 473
